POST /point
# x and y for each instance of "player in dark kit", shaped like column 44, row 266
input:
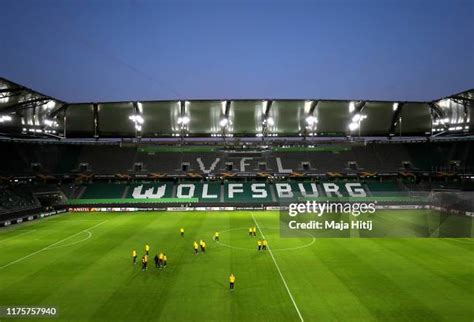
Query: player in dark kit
column 144, row 262
column 157, row 263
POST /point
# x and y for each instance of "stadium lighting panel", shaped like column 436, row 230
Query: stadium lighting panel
column 138, row 120
column 351, row 107
column 223, row 122
column 49, row 105
column 353, row 126
column 311, row 120
column 269, row 121
column 5, row 118
column 50, row 123
column 183, row 120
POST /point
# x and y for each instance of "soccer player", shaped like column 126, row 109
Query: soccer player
column 216, row 236
column 250, row 231
column 200, row 244
column 160, row 259
column 264, row 244
column 144, row 262
column 254, row 231
column 203, row 246
column 157, row 263
column 165, row 260
column 259, row 244
column 196, row 248
column 232, row 281
column 147, row 249
column 134, row 256
column 181, row 231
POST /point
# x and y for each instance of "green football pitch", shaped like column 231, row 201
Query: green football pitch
column 81, row 264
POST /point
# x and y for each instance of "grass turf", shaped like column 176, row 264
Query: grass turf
column 87, row 273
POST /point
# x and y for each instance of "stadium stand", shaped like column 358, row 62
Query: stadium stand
column 12, row 200
column 113, row 159
column 138, row 152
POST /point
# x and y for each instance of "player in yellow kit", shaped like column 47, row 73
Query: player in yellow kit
column 203, row 246
column 165, row 260
column 144, row 262
column 216, row 236
column 134, row 256
column 181, row 231
column 254, row 231
column 160, row 259
column 147, row 249
column 200, row 244
column 264, row 244
column 196, row 248
column 232, row 281
column 259, row 244
column 250, row 232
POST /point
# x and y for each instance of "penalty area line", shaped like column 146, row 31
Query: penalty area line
column 51, row 246
column 279, row 271
column 18, row 235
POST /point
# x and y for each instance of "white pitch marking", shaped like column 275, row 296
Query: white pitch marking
column 89, row 235
column 279, row 271
column 275, row 250
column 26, row 232
column 49, row 246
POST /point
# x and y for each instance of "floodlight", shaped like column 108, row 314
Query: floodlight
column 185, row 120
column 139, row 119
column 311, row 120
column 5, row 118
column 356, row 118
column 224, row 122
column 353, row 126
column 49, row 105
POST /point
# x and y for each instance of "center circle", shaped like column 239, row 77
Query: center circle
column 313, row 240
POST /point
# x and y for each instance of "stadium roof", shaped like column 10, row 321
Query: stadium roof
column 27, row 113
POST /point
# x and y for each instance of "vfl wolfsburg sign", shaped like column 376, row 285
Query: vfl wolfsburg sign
column 245, row 191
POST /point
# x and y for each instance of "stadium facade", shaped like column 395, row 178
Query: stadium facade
column 254, row 153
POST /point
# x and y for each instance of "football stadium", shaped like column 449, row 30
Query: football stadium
column 237, row 160
column 243, row 210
